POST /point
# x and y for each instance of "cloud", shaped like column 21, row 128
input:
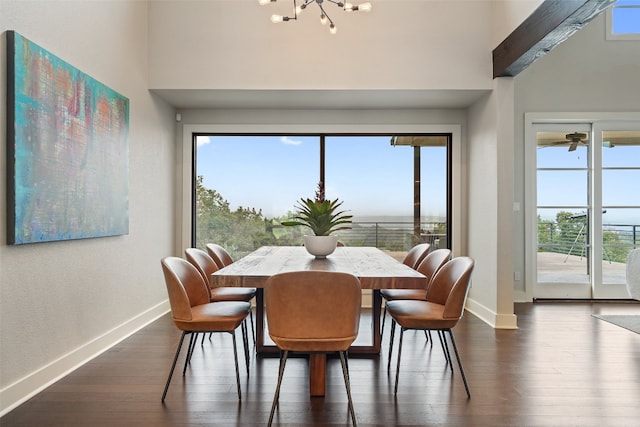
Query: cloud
column 289, row 141
column 202, row 140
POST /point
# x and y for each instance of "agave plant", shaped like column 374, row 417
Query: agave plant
column 320, row 215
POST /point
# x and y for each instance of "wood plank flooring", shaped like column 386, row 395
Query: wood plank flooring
column 562, row 367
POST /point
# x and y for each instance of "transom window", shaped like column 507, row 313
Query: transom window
column 623, row 20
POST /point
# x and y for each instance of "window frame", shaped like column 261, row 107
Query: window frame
column 322, row 166
column 610, row 35
column 185, row 156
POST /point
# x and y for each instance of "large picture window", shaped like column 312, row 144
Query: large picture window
column 246, row 185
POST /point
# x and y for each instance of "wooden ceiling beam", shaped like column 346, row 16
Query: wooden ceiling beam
column 550, row 24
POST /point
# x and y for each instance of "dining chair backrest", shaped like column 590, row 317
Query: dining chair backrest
column 219, row 254
column 416, row 254
column 203, row 262
column 313, row 310
column 185, row 286
column 433, row 262
column 450, row 285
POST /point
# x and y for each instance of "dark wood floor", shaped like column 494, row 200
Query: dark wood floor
column 562, row 367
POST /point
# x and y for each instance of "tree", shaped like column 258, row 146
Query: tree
column 240, row 231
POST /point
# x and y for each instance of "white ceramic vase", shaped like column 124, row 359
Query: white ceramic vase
column 320, row 246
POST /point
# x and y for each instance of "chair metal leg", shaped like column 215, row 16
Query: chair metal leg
column 235, row 356
column 346, row 360
column 173, row 365
column 384, row 318
column 253, row 329
column 276, row 397
column 347, row 384
column 393, row 333
column 245, row 343
column 192, row 344
column 445, row 349
column 455, row 349
column 395, row 389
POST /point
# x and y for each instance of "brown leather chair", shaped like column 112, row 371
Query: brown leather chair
column 431, row 263
column 207, row 266
column 313, row 311
column 219, row 254
column 416, row 254
column 193, row 311
column 441, row 311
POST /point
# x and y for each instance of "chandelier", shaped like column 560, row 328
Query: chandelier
column 324, row 17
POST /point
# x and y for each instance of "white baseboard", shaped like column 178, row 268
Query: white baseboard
column 367, row 298
column 20, row 391
column 493, row 319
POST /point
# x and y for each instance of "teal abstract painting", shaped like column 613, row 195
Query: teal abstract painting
column 67, row 150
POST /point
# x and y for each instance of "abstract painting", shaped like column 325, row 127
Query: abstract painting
column 67, row 150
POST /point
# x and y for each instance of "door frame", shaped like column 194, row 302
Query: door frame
column 597, row 122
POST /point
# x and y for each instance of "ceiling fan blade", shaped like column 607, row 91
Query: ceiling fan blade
column 573, row 146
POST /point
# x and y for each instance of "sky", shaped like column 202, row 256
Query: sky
column 369, row 175
column 375, row 179
column 626, row 20
column 569, row 187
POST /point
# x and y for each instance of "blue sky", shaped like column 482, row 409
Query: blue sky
column 626, row 20
column 569, row 187
column 372, row 177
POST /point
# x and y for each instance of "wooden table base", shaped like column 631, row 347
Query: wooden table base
column 317, row 374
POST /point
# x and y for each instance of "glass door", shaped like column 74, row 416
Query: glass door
column 619, row 222
column 588, row 215
column 563, row 172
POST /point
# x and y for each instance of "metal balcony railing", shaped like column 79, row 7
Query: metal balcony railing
column 571, row 239
column 394, row 236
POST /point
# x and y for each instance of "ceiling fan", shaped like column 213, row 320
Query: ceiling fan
column 573, row 139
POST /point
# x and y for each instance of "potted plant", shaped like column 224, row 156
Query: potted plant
column 323, row 218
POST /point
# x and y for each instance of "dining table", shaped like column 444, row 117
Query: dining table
column 375, row 269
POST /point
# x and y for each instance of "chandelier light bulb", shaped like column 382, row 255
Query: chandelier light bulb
column 324, row 17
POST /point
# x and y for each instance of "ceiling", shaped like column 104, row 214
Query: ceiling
column 319, row 99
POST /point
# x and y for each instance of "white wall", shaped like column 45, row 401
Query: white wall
column 508, row 15
column 63, row 302
column 490, row 201
column 586, row 73
column 401, row 44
